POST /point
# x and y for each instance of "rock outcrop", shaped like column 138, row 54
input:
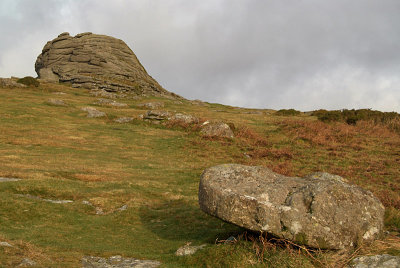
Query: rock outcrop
column 216, row 129
column 96, row 62
column 93, row 112
column 117, row 262
column 10, row 83
column 320, row 210
column 377, row 261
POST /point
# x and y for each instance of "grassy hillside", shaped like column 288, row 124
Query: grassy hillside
column 153, row 171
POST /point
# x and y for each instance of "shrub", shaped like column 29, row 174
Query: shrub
column 287, row 112
column 351, row 117
column 29, row 81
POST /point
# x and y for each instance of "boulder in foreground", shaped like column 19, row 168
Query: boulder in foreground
column 320, row 210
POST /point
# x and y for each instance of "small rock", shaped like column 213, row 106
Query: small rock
column 46, row 200
column 93, row 112
column 124, row 207
column 156, row 115
column 188, row 249
column 199, row 102
column 56, row 102
column 59, row 93
column 152, row 105
column 85, row 202
column 377, row 261
column 123, row 119
column 10, row 83
column 27, row 262
column 216, row 129
column 110, row 103
column 117, row 262
column 185, row 118
column 99, row 211
column 103, row 93
column 8, row 179
column 5, row 244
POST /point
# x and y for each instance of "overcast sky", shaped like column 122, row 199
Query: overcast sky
column 302, row 54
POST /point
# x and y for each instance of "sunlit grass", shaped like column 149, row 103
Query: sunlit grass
column 154, row 170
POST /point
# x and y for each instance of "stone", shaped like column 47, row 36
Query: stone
column 93, row 112
column 8, row 179
column 109, row 102
column 319, row 210
column 26, row 262
column 95, row 61
column 54, row 201
column 156, row 115
column 56, row 102
column 122, row 120
column 10, row 83
column 103, row 93
column 123, row 208
column 5, row 244
column 151, row 105
column 377, row 261
column 185, row 118
column 117, row 262
column 216, row 129
column 188, row 250
column 199, row 102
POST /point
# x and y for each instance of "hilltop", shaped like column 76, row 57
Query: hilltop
column 100, row 164
column 133, row 186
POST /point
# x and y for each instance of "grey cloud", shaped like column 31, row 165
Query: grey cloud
column 268, row 54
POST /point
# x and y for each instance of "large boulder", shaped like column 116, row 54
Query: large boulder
column 320, row 210
column 96, row 62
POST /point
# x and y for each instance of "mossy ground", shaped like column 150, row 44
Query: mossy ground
column 154, row 170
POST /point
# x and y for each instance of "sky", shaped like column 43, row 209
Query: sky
column 301, row 54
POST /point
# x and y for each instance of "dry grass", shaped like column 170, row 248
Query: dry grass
column 154, row 170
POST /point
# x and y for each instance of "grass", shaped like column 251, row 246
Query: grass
column 154, row 170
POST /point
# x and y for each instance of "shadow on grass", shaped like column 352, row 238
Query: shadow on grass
column 182, row 220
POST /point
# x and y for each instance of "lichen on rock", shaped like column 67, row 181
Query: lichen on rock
column 320, row 210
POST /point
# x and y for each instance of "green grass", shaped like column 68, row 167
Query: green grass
column 154, row 170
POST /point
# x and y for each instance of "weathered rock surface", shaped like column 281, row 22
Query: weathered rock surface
column 5, row 244
column 109, row 102
column 319, row 210
column 93, row 112
column 56, row 102
column 54, row 201
column 151, row 105
column 377, row 261
column 10, row 83
column 8, row 179
column 188, row 250
column 123, row 119
column 96, row 62
column 117, row 262
column 156, row 115
column 185, row 118
column 26, row 262
column 216, row 129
